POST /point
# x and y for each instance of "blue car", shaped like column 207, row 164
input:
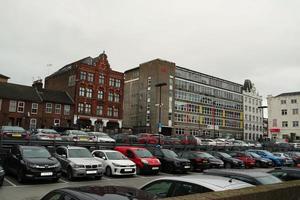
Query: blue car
column 266, row 154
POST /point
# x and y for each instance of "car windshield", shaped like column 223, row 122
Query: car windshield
column 143, row 153
column 268, row 180
column 268, row 153
column 169, row 154
column 79, row 153
column 13, row 129
column 225, row 155
column 35, row 153
column 48, row 131
column 255, row 155
column 76, row 132
column 99, row 134
column 204, row 155
column 115, row 156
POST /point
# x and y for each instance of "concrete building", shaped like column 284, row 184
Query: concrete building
column 253, row 112
column 283, row 112
column 192, row 102
column 97, row 91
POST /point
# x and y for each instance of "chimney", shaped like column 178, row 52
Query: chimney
column 38, row 84
column 3, row 79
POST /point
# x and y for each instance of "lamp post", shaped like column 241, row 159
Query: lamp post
column 159, row 85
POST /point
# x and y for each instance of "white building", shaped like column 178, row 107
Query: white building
column 253, row 112
column 283, row 111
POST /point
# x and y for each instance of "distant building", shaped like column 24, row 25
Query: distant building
column 266, row 128
column 253, row 112
column 97, row 91
column 3, row 79
column 34, row 107
column 283, row 112
column 192, row 102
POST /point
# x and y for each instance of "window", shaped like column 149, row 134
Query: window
column 295, row 111
column 110, row 96
column 81, row 91
column 283, row 101
column 89, row 93
column 274, row 122
column 284, row 124
column 109, row 112
column 90, row 77
column 67, row 109
column 56, row 122
column 21, row 105
column 101, row 79
column 57, row 108
column 118, row 83
column 32, row 124
column 246, row 108
column 34, row 108
column 159, row 188
column 80, row 107
column 72, row 80
column 88, row 108
column 294, row 101
column 111, row 82
column 295, row 123
column 117, row 98
column 183, row 188
column 82, row 75
column 116, row 112
column 284, row 112
column 99, row 110
column 100, row 94
column 48, row 107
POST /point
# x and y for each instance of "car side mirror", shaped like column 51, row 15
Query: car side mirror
column 18, row 156
column 104, row 158
column 64, row 155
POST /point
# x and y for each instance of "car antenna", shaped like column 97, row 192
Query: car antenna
column 230, row 180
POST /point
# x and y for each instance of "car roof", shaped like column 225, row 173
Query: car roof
column 215, row 183
column 241, row 172
column 31, row 147
column 291, row 169
column 73, row 147
column 129, row 147
column 106, row 151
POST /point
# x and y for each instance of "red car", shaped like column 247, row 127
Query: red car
column 144, row 160
column 147, row 138
column 245, row 157
column 187, row 139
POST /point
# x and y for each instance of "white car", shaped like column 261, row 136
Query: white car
column 190, row 184
column 208, row 142
column 240, row 143
column 101, row 137
column 115, row 163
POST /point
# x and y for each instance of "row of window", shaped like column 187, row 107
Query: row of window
column 295, row 111
column 293, row 101
column 253, row 118
column 286, row 124
column 19, row 106
column 251, row 109
column 88, row 92
column 87, row 109
column 253, row 101
column 251, row 136
column 253, row 127
column 33, row 123
column 101, row 79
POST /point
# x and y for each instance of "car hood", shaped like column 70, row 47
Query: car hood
column 41, row 161
column 85, row 161
column 152, row 161
column 180, row 160
column 123, row 162
column 106, row 139
column 215, row 160
column 233, row 160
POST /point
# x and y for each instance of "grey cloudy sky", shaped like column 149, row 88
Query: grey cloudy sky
column 230, row 39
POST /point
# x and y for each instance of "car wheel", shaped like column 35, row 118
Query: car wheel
column 70, row 174
column 108, row 171
column 227, row 165
column 20, row 176
column 138, row 170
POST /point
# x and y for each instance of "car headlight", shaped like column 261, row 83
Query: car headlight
column 99, row 165
column 145, row 161
column 31, row 165
column 158, row 161
column 1, row 171
column 116, row 165
column 78, row 166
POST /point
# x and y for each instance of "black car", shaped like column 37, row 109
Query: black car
column 201, row 160
column 286, row 173
column 32, row 162
column 295, row 156
column 229, row 161
column 260, row 161
column 170, row 162
column 99, row 193
column 2, row 173
column 251, row 177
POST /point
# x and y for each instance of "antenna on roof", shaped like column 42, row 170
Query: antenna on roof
column 230, row 180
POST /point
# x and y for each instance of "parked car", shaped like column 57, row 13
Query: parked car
column 115, row 163
column 260, row 161
column 229, row 161
column 222, row 142
column 208, row 142
column 245, row 157
column 101, row 137
column 144, row 160
column 99, row 193
column 295, row 156
column 32, row 162
column 288, row 161
column 239, row 143
column 13, row 132
column 147, row 138
column 190, row 184
column 78, row 162
column 2, row 173
column 76, row 136
column 201, row 160
column 286, row 173
column 187, row 139
column 266, row 154
column 251, row 177
column 172, row 140
column 125, row 138
column 45, row 134
column 170, row 162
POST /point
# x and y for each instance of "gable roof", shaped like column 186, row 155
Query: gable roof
column 55, row 96
column 289, row 94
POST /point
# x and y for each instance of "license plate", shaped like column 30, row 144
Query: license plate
column 16, row 135
column 205, row 161
column 46, row 174
column 83, row 139
column 155, row 168
column 187, row 166
column 127, row 170
column 91, row 172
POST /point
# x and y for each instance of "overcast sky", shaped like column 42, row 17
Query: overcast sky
column 230, row 39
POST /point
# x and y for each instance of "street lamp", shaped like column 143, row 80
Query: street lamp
column 160, row 85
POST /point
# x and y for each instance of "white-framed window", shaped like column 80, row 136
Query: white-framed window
column 32, row 123
column 81, row 91
column 21, row 106
column 117, row 97
column 89, row 93
column 118, row 83
column 88, row 108
column 100, row 94
column 56, row 122
column 57, row 108
column 101, row 79
column 295, row 123
column 34, row 108
column 67, row 109
column 90, row 77
column 116, row 112
column 12, row 106
column 82, row 75
column 99, row 110
column 48, row 107
column 285, row 124
column 110, row 96
column 109, row 112
column 111, row 81
column 80, row 108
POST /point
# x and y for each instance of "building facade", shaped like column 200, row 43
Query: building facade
column 192, row 102
column 253, row 112
column 283, row 116
column 34, row 107
column 97, row 91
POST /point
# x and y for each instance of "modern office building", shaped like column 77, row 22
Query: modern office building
column 97, row 91
column 253, row 112
column 283, row 116
column 191, row 102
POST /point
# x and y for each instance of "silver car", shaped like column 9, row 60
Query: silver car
column 78, row 162
column 45, row 134
column 76, row 135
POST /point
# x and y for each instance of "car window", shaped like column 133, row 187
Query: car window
column 130, row 154
column 68, row 197
column 53, row 196
column 60, row 151
column 278, row 174
column 244, row 179
column 159, row 188
column 184, row 188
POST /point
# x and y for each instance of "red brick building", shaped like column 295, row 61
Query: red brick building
column 97, row 91
column 34, row 107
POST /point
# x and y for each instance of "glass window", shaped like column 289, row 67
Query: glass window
column 283, row 101
column 100, row 94
column 118, row 83
column 89, row 93
column 110, row 96
column 294, row 101
column 159, row 188
column 57, row 108
column 81, row 92
column 34, row 108
column 109, row 112
column 295, row 123
column 101, row 79
column 56, row 122
column 284, row 124
column 80, row 107
column 111, row 82
column 295, row 111
column 284, row 112
column 32, row 124
column 88, row 108
column 183, row 188
column 12, row 106
column 90, row 77
column 67, row 109
column 99, row 110
column 48, row 107
column 79, row 153
column 117, row 97
column 116, row 112
column 28, row 152
column 82, row 75
column 21, row 106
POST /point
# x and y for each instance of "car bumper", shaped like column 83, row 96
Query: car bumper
column 216, row 165
column 124, row 171
column 87, row 173
column 36, row 174
column 150, row 169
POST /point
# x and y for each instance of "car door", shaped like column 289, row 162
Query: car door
column 159, row 154
column 61, row 155
column 184, row 188
column 160, row 188
column 14, row 160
